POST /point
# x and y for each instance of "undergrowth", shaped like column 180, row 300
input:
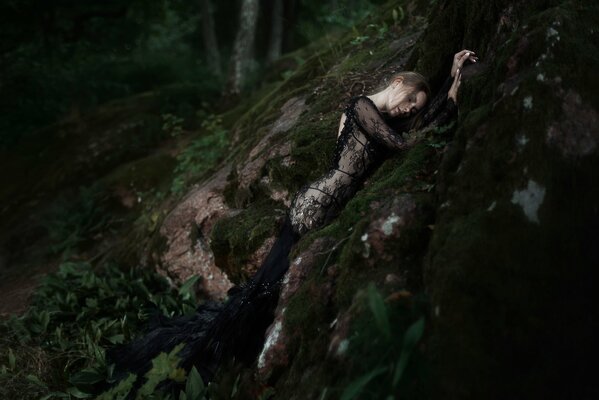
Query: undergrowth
column 57, row 348
column 384, row 339
column 202, row 154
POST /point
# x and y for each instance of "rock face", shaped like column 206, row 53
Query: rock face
column 189, row 225
column 186, row 229
column 275, row 355
column 510, row 262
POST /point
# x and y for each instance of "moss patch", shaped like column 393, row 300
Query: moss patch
column 234, row 239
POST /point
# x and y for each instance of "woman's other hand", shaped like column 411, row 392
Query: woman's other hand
column 460, row 58
column 453, row 90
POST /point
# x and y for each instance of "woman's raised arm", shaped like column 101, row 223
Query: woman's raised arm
column 368, row 117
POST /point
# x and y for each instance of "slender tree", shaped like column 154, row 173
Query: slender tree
column 242, row 47
column 209, row 34
column 276, row 32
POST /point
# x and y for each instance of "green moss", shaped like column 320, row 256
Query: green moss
column 307, row 319
column 394, row 173
column 152, row 172
column 234, row 239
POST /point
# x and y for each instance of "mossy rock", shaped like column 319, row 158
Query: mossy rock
column 234, row 239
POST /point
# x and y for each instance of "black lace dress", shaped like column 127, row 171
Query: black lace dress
column 237, row 327
column 365, row 138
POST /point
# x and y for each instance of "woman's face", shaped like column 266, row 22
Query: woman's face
column 404, row 101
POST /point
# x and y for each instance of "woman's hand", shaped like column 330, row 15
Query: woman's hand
column 460, row 58
column 453, row 90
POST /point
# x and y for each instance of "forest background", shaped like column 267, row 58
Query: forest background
column 62, row 58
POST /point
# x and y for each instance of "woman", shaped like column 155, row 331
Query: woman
column 236, row 327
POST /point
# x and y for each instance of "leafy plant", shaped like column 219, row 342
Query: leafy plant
column 202, row 153
column 384, row 348
column 77, row 312
column 172, row 124
column 71, row 222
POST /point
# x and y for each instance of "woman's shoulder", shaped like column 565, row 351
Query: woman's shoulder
column 361, row 101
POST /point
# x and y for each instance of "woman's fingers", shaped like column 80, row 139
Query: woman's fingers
column 463, row 59
column 460, row 58
column 459, row 54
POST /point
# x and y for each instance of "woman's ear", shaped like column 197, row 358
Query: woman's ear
column 397, row 81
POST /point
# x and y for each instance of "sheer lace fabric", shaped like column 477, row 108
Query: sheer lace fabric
column 365, row 136
column 318, row 202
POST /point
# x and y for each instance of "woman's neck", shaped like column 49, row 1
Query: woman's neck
column 379, row 100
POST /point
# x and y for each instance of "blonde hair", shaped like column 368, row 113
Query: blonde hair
column 418, row 83
column 414, row 80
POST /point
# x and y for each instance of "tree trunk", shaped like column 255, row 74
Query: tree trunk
column 210, row 43
column 290, row 18
column 276, row 32
column 244, row 42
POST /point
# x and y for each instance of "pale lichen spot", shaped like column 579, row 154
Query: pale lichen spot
column 437, row 311
column 271, row 340
column 527, row 102
column 342, row 348
column 492, row 206
column 366, row 251
column 521, row 141
column 388, row 224
column 551, row 33
column 530, row 199
column 541, row 77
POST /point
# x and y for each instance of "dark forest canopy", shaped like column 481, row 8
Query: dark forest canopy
column 63, row 57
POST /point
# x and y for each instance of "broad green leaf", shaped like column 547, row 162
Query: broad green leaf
column 12, row 360
column 194, row 388
column 356, row 387
column 377, row 305
column 119, row 391
column 61, row 395
column 235, row 386
column 86, row 377
column 73, row 391
column 36, row 380
column 186, row 290
column 410, row 339
column 162, row 365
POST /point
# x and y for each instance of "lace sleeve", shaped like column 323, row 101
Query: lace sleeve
column 370, row 120
column 441, row 109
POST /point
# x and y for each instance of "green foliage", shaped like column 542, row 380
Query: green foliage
column 202, row 154
column 77, row 312
column 234, row 239
column 384, row 349
column 317, row 18
column 172, row 124
column 62, row 60
column 70, row 222
column 377, row 306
